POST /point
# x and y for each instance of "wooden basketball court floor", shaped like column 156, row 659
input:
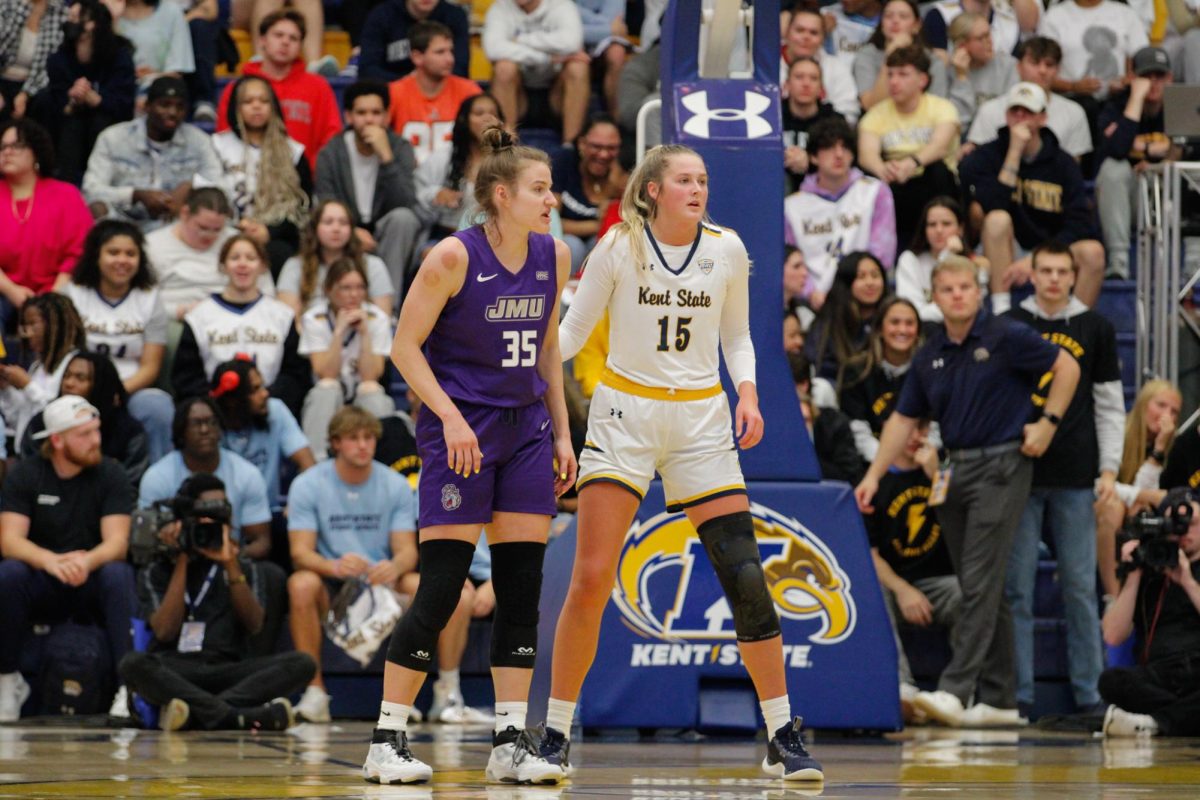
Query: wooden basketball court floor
column 324, row 762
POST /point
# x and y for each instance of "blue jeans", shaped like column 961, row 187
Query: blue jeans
column 1073, row 526
column 155, row 409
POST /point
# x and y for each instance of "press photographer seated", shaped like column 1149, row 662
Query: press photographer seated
column 1159, row 603
column 202, row 602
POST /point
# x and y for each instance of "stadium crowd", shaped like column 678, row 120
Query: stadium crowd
column 200, row 279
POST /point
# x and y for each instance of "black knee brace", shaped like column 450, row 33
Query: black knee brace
column 517, row 579
column 444, row 567
column 733, row 551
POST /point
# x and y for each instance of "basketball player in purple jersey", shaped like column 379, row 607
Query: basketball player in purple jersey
column 478, row 342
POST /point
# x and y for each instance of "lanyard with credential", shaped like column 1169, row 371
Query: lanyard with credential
column 191, row 604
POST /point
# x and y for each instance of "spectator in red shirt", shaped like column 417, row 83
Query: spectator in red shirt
column 43, row 221
column 309, row 107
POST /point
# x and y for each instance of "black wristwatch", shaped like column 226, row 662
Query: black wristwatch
column 1159, row 456
column 1053, row 419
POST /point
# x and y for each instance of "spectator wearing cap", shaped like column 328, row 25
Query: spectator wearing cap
column 64, row 531
column 975, row 376
column 142, row 170
column 1030, row 191
column 1131, row 138
column 1037, row 62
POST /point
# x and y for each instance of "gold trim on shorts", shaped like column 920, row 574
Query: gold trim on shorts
column 608, row 477
column 622, row 384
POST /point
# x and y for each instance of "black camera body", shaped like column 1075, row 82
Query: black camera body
column 202, row 528
column 1157, row 536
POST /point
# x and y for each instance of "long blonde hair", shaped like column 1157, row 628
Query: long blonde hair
column 638, row 208
column 1134, row 453
column 310, row 250
column 278, row 196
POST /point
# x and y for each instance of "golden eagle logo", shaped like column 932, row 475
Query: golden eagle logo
column 666, row 589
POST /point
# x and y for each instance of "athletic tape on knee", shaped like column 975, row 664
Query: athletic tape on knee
column 733, row 551
column 517, row 579
column 444, row 567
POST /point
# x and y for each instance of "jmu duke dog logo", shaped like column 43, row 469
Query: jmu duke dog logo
column 666, row 589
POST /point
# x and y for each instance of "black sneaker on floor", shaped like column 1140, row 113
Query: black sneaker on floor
column 556, row 747
column 276, row 715
column 788, row 759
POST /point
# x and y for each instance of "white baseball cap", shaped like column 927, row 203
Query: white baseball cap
column 1026, row 95
column 65, row 413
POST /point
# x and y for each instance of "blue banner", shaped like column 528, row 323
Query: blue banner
column 668, row 628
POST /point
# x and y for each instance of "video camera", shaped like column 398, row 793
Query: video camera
column 203, row 523
column 1157, row 534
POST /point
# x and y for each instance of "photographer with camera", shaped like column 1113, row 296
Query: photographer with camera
column 64, row 531
column 1159, row 603
column 196, row 433
column 202, row 602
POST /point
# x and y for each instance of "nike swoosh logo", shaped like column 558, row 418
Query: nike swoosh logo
column 483, row 279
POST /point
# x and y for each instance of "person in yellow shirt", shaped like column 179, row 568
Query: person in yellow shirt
column 910, row 140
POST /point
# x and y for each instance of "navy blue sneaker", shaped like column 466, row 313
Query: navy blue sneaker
column 787, row 758
column 555, row 747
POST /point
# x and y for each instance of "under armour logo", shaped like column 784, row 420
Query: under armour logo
column 616, row 412
column 756, row 125
column 938, row 363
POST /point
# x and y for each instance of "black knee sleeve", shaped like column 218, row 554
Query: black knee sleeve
column 517, row 579
column 444, row 567
column 733, row 551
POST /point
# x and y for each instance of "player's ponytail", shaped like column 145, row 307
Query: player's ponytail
column 638, row 208
column 503, row 159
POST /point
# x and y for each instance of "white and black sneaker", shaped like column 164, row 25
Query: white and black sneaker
column 390, row 761
column 517, row 758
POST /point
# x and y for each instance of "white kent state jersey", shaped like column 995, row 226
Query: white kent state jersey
column 826, row 230
column 120, row 330
column 316, row 336
column 669, row 315
column 259, row 330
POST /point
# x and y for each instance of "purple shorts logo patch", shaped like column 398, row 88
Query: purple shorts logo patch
column 451, row 499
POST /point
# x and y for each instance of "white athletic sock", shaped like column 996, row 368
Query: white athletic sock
column 777, row 712
column 559, row 715
column 510, row 715
column 448, row 679
column 393, row 716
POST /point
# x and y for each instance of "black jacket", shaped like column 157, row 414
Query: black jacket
column 1049, row 201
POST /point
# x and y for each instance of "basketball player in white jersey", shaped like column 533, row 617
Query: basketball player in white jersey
column 676, row 290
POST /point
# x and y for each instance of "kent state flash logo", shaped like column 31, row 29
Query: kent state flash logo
column 666, row 590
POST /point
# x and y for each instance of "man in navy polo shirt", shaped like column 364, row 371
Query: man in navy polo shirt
column 975, row 376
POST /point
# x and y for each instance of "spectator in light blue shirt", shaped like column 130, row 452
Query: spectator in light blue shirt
column 196, row 432
column 349, row 517
column 258, row 427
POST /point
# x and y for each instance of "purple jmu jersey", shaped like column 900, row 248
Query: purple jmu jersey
column 484, row 347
